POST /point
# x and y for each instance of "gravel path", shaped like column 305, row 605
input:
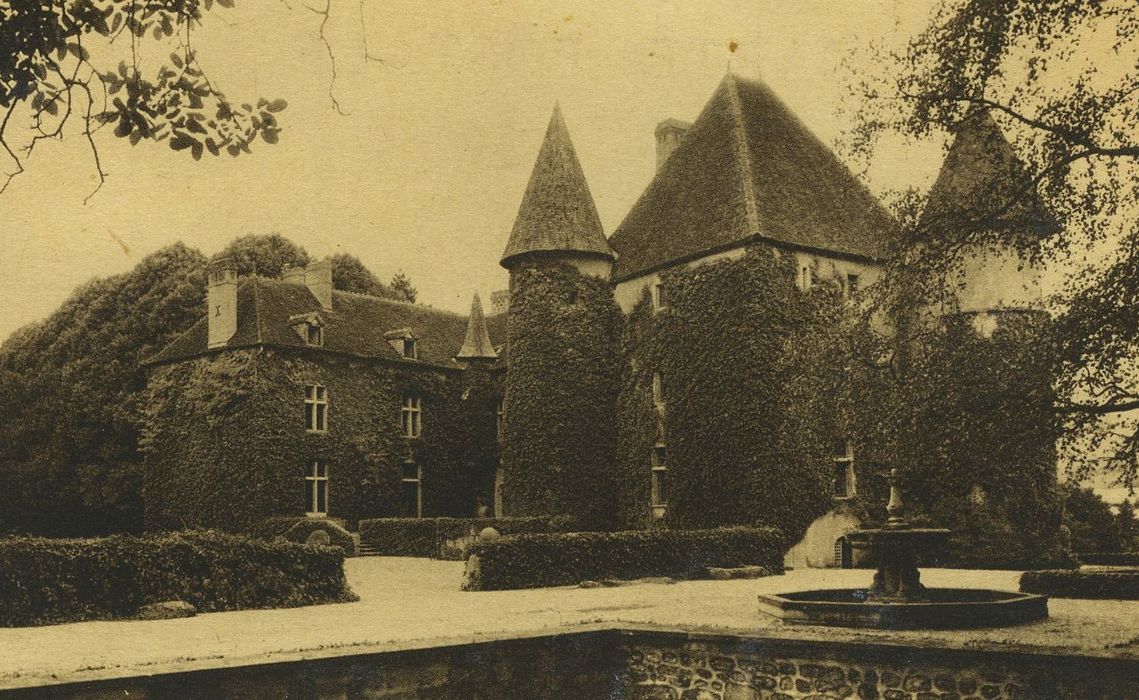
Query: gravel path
column 413, row 603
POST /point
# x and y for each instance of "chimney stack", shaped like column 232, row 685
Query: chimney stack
column 294, row 275
column 221, row 298
column 669, row 134
column 318, row 279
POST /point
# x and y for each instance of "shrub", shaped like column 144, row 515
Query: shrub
column 1110, row 558
column 445, row 538
column 531, row 561
column 298, row 529
column 1060, row 583
column 45, row 581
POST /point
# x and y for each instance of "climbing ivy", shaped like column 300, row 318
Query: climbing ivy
column 226, row 445
column 734, row 454
column 564, row 340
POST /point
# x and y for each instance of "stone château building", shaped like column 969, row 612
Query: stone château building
column 290, row 398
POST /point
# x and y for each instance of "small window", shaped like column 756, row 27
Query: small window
column 660, row 296
column 499, row 420
column 842, row 456
column 659, row 495
column 851, row 284
column 411, row 416
column 316, row 408
column 658, row 498
column 411, row 485
column 410, row 349
column 658, row 390
column 314, row 334
column 805, row 278
column 316, row 489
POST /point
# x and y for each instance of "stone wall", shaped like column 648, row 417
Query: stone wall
column 736, row 669
column 639, row 665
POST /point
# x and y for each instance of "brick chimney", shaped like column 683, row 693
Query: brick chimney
column 318, row 279
column 221, row 299
column 669, row 134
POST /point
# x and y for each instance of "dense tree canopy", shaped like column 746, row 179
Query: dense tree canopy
column 58, row 65
column 1059, row 77
column 70, row 388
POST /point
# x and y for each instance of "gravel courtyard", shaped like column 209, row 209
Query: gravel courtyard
column 413, row 603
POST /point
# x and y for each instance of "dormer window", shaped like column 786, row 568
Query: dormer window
column 310, row 328
column 403, row 342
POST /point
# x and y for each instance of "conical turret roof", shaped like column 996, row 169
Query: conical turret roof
column 557, row 212
column 477, row 345
column 979, row 181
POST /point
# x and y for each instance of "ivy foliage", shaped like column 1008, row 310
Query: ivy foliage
column 560, row 451
column 71, row 389
column 226, row 443
column 977, row 439
column 740, row 448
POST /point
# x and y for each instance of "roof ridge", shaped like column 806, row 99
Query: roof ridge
column 743, row 157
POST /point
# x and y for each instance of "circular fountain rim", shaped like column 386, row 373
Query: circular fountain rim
column 1003, row 608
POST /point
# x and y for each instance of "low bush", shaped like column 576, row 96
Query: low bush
column 298, row 529
column 1061, row 583
column 532, row 561
column 1110, row 558
column 45, row 581
column 446, row 538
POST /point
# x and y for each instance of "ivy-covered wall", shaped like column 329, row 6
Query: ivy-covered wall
column 226, row 444
column 742, row 447
column 564, row 337
column 977, row 438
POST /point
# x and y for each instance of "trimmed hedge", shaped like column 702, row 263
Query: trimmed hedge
column 297, row 529
column 532, row 561
column 46, row 581
column 1060, row 583
column 446, row 538
column 1109, row 558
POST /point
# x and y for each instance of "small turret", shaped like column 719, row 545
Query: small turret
column 477, row 346
column 557, row 220
column 981, row 184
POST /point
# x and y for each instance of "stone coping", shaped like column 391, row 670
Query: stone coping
column 409, row 604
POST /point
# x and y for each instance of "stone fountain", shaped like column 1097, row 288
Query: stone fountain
column 896, row 598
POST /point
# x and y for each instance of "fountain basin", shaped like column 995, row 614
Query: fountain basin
column 936, row 608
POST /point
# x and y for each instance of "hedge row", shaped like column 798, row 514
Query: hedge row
column 298, row 529
column 1110, row 558
column 445, row 538
column 532, row 561
column 1117, row 585
column 45, row 581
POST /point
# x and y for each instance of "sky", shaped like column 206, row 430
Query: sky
column 424, row 170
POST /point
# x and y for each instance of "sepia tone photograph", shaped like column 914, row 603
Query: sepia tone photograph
column 646, row 350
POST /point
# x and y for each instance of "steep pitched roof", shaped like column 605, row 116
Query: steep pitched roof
column 477, row 343
column 979, row 180
column 749, row 168
column 357, row 324
column 557, row 211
